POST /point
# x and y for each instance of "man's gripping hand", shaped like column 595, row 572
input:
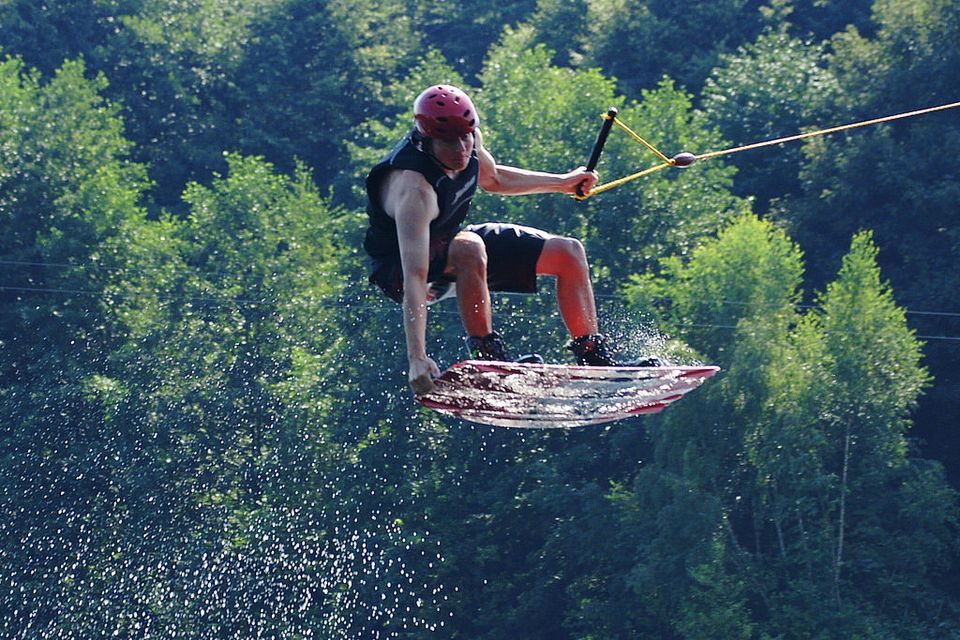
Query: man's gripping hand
column 579, row 181
column 422, row 372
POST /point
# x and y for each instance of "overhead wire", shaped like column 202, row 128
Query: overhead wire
column 198, row 273
column 363, row 303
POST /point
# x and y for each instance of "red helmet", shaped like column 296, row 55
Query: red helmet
column 445, row 112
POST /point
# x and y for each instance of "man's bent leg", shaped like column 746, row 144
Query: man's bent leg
column 566, row 259
column 467, row 262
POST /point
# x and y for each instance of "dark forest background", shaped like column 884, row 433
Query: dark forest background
column 205, row 428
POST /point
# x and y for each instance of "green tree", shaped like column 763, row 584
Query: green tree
column 171, row 64
column 834, row 467
column 66, row 188
column 174, row 64
column 885, row 179
column 751, row 270
column 878, row 377
column 464, row 33
column 716, row 607
column 895, row 181
column 593, row 33
column 732, row 301
column 196, row 78
column 640, row 41
column 47, row 34
column 312, row 72
column 774, row 87
column 817, row 19
column 228, row 462
column 559, row 26
column 802, row 450
column 538, row 116
column 237, row 313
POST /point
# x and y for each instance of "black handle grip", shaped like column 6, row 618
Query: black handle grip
column 601, row 140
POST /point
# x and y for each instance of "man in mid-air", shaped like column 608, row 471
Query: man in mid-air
column 418, row 198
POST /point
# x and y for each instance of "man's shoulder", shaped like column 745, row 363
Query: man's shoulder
column 405, row 184
column 405, row 180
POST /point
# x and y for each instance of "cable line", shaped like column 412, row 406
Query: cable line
column 297, row 274
column 822, row 132
column 685, row 159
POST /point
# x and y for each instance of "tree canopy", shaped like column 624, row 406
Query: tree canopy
column 205, row 430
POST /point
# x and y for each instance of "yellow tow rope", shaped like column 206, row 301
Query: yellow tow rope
column 686, row 159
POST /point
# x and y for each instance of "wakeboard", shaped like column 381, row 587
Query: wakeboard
column 541, row 396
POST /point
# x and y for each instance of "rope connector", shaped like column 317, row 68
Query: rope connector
column 683, row 159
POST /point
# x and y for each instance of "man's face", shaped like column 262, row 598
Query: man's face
column 454, row 153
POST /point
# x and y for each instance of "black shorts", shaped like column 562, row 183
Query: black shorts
column 512, row 255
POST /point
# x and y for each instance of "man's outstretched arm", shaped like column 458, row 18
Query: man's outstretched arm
column 512, row 181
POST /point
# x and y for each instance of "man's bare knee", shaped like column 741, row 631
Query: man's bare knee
column 574, row 249
column 563, row 256
column 467, row 253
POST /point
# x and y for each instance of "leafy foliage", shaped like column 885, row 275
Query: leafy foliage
column 336, row 62
column 774, row 87
column 205, row 431
column 640, row 41
column 805, row 448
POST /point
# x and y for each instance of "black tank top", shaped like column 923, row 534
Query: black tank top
column 453, row 198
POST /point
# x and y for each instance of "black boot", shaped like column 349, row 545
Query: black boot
column 491, row 347
column 592, row 350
